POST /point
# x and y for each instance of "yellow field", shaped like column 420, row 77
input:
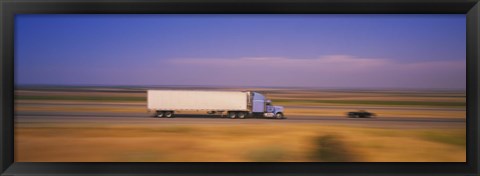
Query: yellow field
column 289, row 142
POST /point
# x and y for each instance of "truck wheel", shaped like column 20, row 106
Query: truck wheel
column 169, row 114
column 160, row 114
column 241, row 115
column 232, row 115
column 279, row 116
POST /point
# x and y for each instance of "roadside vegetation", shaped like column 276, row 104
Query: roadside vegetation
column 104, row 142
column 81, row 98
column 371, row 102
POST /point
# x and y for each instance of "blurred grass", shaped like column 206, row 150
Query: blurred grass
column 145, row 156
column 107, row 142
column 458, row 138
column 331, row 148
column 270, row 153
column 175, row 129
column 451, row 137
column 80, row 98
column 371, row 102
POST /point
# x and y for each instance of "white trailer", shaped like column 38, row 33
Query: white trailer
column 241, row 104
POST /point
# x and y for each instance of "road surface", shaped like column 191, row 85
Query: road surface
column 143, row 118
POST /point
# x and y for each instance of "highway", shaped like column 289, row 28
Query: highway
column 146, row 119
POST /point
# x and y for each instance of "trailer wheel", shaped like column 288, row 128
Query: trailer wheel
column 241, row 115
column 168, row 114
column 232, row 115
column 160, row 114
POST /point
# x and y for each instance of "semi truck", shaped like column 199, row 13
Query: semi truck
column 233, row 104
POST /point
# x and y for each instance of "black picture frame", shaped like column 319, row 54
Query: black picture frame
column 9, row 8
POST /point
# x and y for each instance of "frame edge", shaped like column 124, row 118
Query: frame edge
column 473, row 64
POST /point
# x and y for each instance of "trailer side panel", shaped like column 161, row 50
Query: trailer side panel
column 197, row 100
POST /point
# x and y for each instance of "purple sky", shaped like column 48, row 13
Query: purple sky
column 331, row 51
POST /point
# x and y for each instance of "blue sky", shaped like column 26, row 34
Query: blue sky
column 344, row 51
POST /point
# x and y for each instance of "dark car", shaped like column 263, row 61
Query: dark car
column 360, row 114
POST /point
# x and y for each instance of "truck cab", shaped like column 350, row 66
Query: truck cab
column 264, row 107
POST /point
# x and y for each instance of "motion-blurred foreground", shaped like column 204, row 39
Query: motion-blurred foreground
column 94, row 124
